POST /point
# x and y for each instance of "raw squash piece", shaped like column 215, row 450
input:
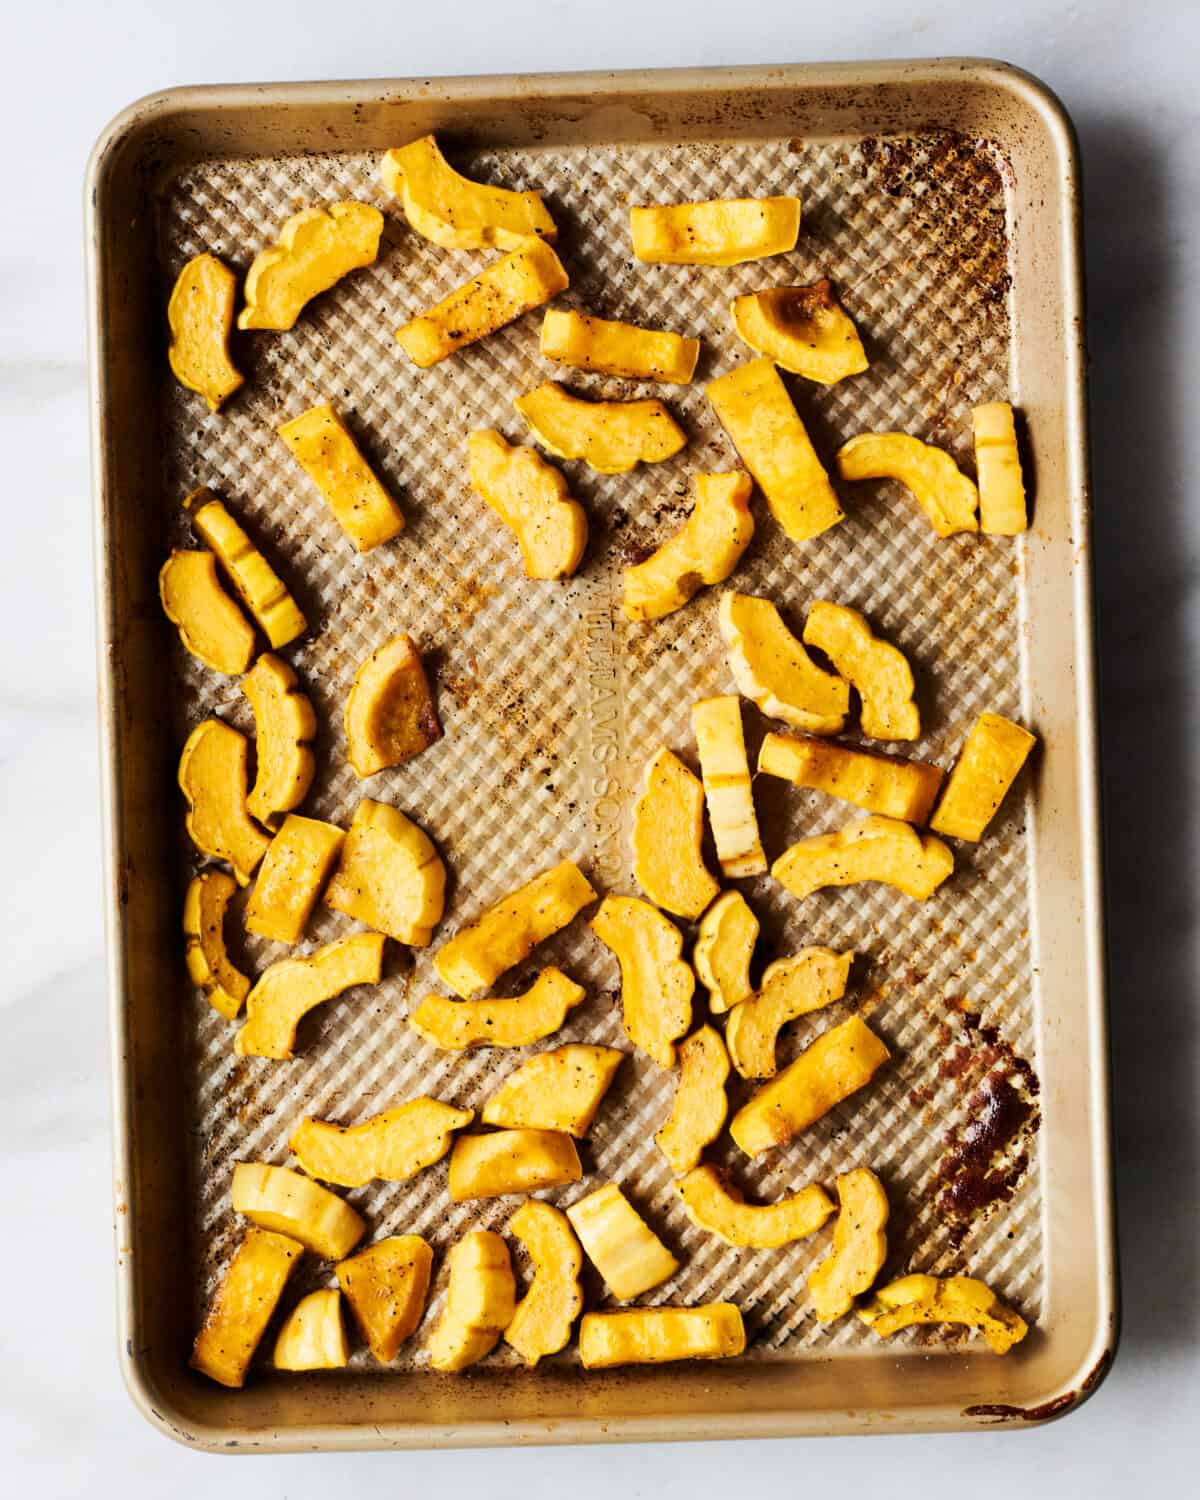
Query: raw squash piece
column 456, row 1024
column 951, row 1299
column 278, row 1198
column 904, row 789
column 668, row 827
column 705, row 549
column 390, row 714
column 244, row 1304
column 721, row 232
column 531, row 498
column 871, row 848
column 718, row 1207
column 200, row 315
column 753, row 406
column 258, row 585
column 839, row 1063
column 391, row 1147
column 290, row 878
column 1002, row 508
column 699, row 1107
column 284, row 729
column 725, row 772
column 556, row 1090
column 542, row 1322
column 791, row 987
column 989, row 763
column 773, row 670
column 511, row 1161
column 455, row 212
column 389, row 875
column 937, row 484
column 208, row 962
column 386, row 1285
column 324, row 449
column 876, row 668
column 859, row 1246
column 477, row 955
column 289, row 989
column 316, row 248
column 615, row 348
column 724, row 947
column 657, row 1335
column 611, row 437
column 313, row 1336
column 802, row 329
column 619, row 1242
column 522, row 280
column 656, row 983
column 480, row 1301
column 212, row 776
column 210, row 624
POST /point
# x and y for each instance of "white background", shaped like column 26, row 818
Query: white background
column 1127, row 72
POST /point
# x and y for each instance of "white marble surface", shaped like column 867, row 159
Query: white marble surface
column 1127, row 73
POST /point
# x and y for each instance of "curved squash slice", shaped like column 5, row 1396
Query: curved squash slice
column 705, row 550
column 531, row 498
column 244, row 1304
column 802, row 329
column 386, row 1285
column 619, row 1242
column 668, row 827
column 542, row 1322
column 321, row 444
column 290, row 878
column 200, row 315
column 212, row 776
column 871, row 848
column 859, row 1246
column 611, row 437
column 454, row 1025
column 721, row 232
column 511, row 1161
column 390, row 714
column 904, row 789
column 952, row 1299
column 993, row 755
column 284, row 729
column 791, row 987
column 208, row 962
column 615, row 348
column 725, row 771
column 656, row 983
column 721, row 1209
column 876, row 668
column 392, row 1146
column 389, row 876
column 278, row 1198
column 937, row 484
column 724, row 947
column 289, row 989
column 480, row 1301
column 210, row 624
column 699, row 1108
column 657, row 1335
column 1002, row 508
column 258, row 585
column 313, row 1336
column 556, row 1090
column 316, row 248
column 773, row 669
column 456, row 213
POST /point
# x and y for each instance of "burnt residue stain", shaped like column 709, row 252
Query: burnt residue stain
column 999, row 1412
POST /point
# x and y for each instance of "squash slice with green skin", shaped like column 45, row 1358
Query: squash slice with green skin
column 724, row 947
column 656, row 983
column 870, row 848
column 212, row 776
column 480, row 1302
column 208, row 962
column 455, row 212
column 719, row 1208
column 313, row 1336
column 728, row 790
column 859, row 1246
column 531, row 498
column 258, row 585
column 544, row 1316
column 210, row 624
column 556, row 1090
column 284, row 729
column 705, row 550
column 791, row 987
column 668, row 827
column 290, row 878
column 903, row 789
column 389, row 1147
column 511, row 1161
column 389, row 875
column 948, row 498
column 986, row 768
column 619, row 1242
column 878, row 670
column 699, row 1107
column 773, row 670
column 244, row 1304
column 615, row 348
column 289, row 989
column 316, row 248
column 719, row 232
column 950, row 1299
column 200, row 316
column 322, row 445
column 658, row 1335
column 390, row 713
column 454, row 1025
column 802, row 329
column 611, row 437
column 386, row 1286
column 278, row 1198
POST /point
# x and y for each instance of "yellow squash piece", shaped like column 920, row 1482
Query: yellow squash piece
column 791, row 987
column 258, row 585
column 212, row 776
column 619, row 1242
column 615, row 348
column 284, row 729
column 904, row 789
column 952, row 1299
column 725, row 772
column 876, row 668
column 542, row 1322
column 200, row 316
column 278, row 1198
column 839, row 1063
column 753, row 406
column 244, row 1304
column 611, row 437
column 480, row 1302
column 455, row 212
column 389, row 875
column 386, row 1285
column 556, row 1090
column 859, row 1246
column 656, row 983
column 657, row 1335
column 210, row 624
column 724, row 947
column 522, row 280
column 990, row 761
column 313, row 1336
column 870, row 848
column 391, row 1147
column 316, row 248
column 705, row 549
column 772, row 668
column 699, row 1107
column 668, row 827
column 714, row 1205
column 508, row 932
column 289, row 989
column 390, row 713
column 208, row 962
column 456, row 1024
column 324, row 449
column 511, row 1161
column 290, row 878
column 941, row 489
column 802, row 329
column 721, row 232
column 531, row 498
column 1002, row 506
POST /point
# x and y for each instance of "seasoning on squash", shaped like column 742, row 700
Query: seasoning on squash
column 904, row 789
column 791, row 987
column 556, row 1090
column 480, row 1302
column 859, row 1246
column 390, row 713
column 668, row 829
column 511, row 1161
column 323, row 447
column 773, row 670
column 699, row 1107
column 656, row 982
column 386, row 1286
column 989, row 763
column 611, row 437
column 290, row 877
column 714, row 1205
column 313, row 1336
column 950, row 1299
column 802, row 329
column 210, row 624
column 544, row 1316
column 455, row 212
column 208, row 961
column 278, row 1198
column 870, row 848
column 212, row 777
column 940, row 488
column 877, row 669
column 389, row 1147
column 720, row 232
column 244, row 1304
column 705, row 550
column 724, row 947
column 454, row 1025
column 389, row 875
column 258, row 585
column 289, row 989
column 614, row 348
column 316, row 248
column 200, row 316
column 284, row 729
column 531, row 498
column 656, row 1335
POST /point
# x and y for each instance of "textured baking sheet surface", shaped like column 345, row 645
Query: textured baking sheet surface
column 551, row 701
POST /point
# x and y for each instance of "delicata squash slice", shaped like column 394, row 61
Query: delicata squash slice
column 391, row 1147
column 322, row 445
column 511, row 1161
column 210, row 624
column 208, row 962
column 611, row 437
column 386, row 1286
column 290, row 877
column 720, row 232
column 455, row 212
column 803, row 329
column 544, row 1316
column 940, row 488
column 657, row 1335
column 1002, row 507
column 454, row 1025
column 791, row 987
column 278, row 1198
column 244, row 1304
column 859, row 1246
column 699, row 1107
column 878, row 670
column 531, row 498
column 389, row 875
column 480, row 1301
column 728, row 792
column 289, row 989
column 615, row 348
column 668, row 827
column 905, row 789
column 313, row 1336
column 656, row 983
column 716, row 1206
column 390, row 714
column 989, row 763
column 773, row 670
column 619, row 1242
column 284, row 729
column 258, row 585
column 705, row 550
column 870, row 848
column 556, row 1090
column 200, row 316
column 950, row 1299
column 724, row 947
column 316, row 248
column 212, row 776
